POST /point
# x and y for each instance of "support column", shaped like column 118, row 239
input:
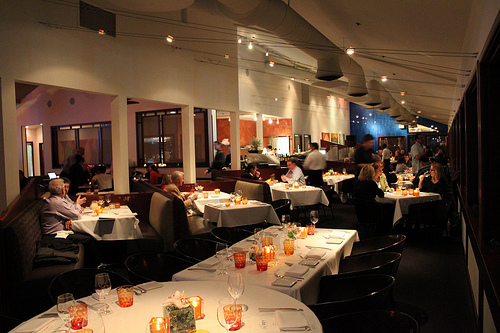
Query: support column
column 235, row 140
column 119, row 136
column 9, row 138
column 260, row 129
column 188, row 148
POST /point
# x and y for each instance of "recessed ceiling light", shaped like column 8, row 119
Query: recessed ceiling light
column 267, row 54
column 255, row 117
column 250, row 45
column 293, row 78
column 384, row 78
column 26, row 127
column 349, row 50
column 270, row 121
column 226, row 56
column 419, row 111
column 102, row 32
column 370, row 114
column 277, row 121
column 169, row 38
column 403, row 93
column 271, row 63
column 329, row 96
column 239, row 40
column 276, row 99
column 403, row 101
column 307, row 79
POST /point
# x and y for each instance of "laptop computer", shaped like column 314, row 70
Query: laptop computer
column 52, row 175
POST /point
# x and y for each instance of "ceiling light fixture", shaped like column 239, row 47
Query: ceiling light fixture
column 419, row 111
column 270, row 121
column 403, row 93
column 26, row 127
column 329, row 96
column 239, row 40
column 403, row 101
column 277, row 121
column 226, row 56
column 169, row 38
column 229, row 119
column 307, row 79
column 350, row 50
column 267, row 53
column 250, row 45
column 417, row 117
column 271, row 63
column 102, row 32
column 255, row 117
column 384, row 78
column 370, row 114
column 293, row 78
column 276, row 99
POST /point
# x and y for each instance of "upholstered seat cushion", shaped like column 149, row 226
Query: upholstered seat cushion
column 252, row 191
column 198, row 226
column 161, row 219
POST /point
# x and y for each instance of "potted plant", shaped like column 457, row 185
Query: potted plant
column 255, row 144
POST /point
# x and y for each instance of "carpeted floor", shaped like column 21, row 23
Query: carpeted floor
column 431, row 283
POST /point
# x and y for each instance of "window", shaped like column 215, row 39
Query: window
column 95, row 138
column 159, row 137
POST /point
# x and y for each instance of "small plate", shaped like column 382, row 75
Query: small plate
column 284, row 282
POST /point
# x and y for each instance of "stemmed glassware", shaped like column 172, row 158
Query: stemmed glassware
column 313, row 215
column 101, row 200
column 285, row 220
column 228, row 315
column 108, row 198
column 221, row 254
column 257, row 235
column 102, row 289
column 64, row 302
column 235, row 285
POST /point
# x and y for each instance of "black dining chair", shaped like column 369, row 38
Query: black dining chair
column 230, row 235
column 251, row 227
column 160, row 267
column 339, row 296
column 371, row 322
column 386, row 263
column 388, row 243
column 196, row 249
column 281, row 207
column 80, row 282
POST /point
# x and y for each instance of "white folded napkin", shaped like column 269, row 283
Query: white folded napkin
column 34, row 325
column 291, row 320
column 335, row 234
column 297, row 271
column 208, row 263
column 315, row 253
column 334, row 241
column 245, row 247
column 64, row 233
column 110, row 297
column 150, row 285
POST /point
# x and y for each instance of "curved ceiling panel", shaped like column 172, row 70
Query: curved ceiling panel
column 153, row 5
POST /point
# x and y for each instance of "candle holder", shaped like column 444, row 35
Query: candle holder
column 158, row 325
column 197, row 303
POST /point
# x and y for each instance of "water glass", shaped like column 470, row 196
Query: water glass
column 64, row 303
column 229, row 314
column 240, row 259
column 261, row 262
column 125, row 296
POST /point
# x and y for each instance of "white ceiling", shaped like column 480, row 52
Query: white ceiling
column 417, row 44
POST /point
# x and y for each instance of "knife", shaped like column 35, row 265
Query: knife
column 211, row 270
column 276, row 309
column 318, row 247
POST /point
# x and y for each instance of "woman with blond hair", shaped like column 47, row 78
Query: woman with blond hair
column 435, row 182
column 380, row 177
column 366, row 188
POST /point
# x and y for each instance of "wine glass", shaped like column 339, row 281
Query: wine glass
column 64, row 302
column 228, row 315
column 235, row 285
column 239, row 193
column 101, row 200
column 313, row 215
column 285, row 220
column 102, row 288
column 344, row 172
column 108, row 198
column 257, row 235
column 221, row 254
column 296, row 232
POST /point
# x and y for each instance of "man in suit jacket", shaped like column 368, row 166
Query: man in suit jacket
column 173, row 189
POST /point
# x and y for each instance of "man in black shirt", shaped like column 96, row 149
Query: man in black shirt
column 364, row 154
column 219, row 159
column 251, row 172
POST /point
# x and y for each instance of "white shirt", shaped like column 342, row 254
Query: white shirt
column 386, row 154
column 416, row 149
column 315, row 161
column 296, row 175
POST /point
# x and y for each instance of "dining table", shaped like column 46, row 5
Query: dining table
column 264, row 307
column 403, row 202
column 301, row 196
column 335, row 180
column 110, row 225
column 236, row 215
column 295, row 275
column 199, row 204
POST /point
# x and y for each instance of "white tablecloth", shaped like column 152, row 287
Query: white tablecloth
column 200, row 203
column 237, row 215
column 135, row 318
column 335, row 180
column 113, row 224
column 305, row 290
column 403, row 202
column 301, row 196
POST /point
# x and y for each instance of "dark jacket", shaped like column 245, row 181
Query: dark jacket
column 366, row 190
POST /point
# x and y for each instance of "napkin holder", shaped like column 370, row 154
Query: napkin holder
column 181, row 320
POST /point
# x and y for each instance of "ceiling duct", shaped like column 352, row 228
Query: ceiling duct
column 373, row 93
column 280, row 19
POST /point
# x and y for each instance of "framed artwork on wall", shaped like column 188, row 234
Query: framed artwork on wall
column 334, row 137
column 325, row 136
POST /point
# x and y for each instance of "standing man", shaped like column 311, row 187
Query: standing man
column 219, row 159
column 70, row 161
column 364, row 154
column 386, row 155
column 294, row 173
column 417, row 150
column 315, row 162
